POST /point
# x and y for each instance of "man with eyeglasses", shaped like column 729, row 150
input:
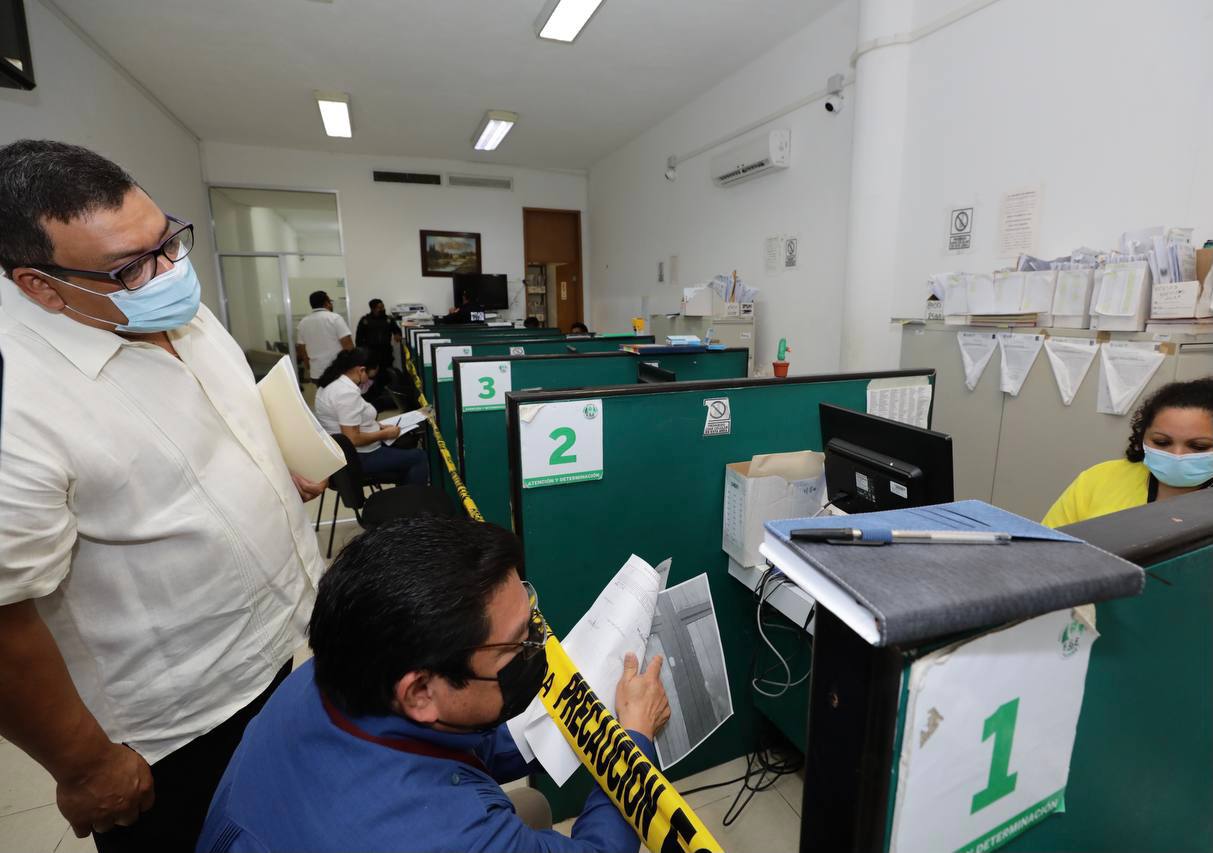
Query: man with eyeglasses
column 392, row 737
column 157, row 568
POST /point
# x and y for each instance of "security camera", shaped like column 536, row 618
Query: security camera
column 834, row 102
column 671, row 168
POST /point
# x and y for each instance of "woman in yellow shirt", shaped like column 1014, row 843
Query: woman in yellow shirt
column 1170, row 453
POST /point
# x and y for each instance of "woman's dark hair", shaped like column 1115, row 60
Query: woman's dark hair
column 346, row 360
column 1197, row 394
column 408, row 595
column 42, row 180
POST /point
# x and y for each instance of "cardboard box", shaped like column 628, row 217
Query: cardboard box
column 1179, row 300
column 749, row 502
column 1204, row 263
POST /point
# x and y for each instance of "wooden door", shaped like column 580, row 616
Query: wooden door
column 554, row 237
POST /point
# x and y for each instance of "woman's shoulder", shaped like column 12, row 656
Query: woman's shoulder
column 1114, row 470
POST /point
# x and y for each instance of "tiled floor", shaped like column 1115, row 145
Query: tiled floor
column 30, row 820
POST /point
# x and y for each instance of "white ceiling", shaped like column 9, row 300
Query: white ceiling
column 421, row 73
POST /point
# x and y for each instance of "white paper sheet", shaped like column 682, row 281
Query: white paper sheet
column 698, row 707
column 1038, row 291
column 1072, row 296
column 1070, row 359
column 955, row 294
column 1019, row 222
column 1120, row 289
column 1008, row 292
column 409, row 421
column 906, row 399
column 1019, row 353
column 979, row 289
column 975, row 351
column 619, row 621
column 1126, row 367
column 306, row 448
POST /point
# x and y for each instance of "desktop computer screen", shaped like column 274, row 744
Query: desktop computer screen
column 873, row 463
column 489, row 291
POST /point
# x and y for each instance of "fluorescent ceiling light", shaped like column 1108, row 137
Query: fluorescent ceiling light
column 335, row 113
column 562, row 20
column 493, row 128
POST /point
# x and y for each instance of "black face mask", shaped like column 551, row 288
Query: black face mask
column 519, row 680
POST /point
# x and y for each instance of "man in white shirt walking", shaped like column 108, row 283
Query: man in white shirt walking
column 322, row 334
column 157, row 569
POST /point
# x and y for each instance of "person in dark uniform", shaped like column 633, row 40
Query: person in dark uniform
column 379, row 334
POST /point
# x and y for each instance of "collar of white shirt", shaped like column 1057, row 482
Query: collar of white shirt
column 86, row 347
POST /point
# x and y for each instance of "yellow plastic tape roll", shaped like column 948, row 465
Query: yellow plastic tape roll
column 660, row 816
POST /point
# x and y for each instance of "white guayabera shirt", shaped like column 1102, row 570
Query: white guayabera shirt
column 146, row 507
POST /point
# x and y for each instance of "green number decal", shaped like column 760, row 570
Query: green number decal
column 488, row 387
column 561, row 455
column 1001, row 726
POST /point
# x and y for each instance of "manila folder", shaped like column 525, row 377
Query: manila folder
column 308, row 450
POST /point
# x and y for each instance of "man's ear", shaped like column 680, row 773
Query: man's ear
column 414, row 697
column 34, row 285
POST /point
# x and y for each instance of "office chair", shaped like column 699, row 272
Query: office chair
column 373, row 510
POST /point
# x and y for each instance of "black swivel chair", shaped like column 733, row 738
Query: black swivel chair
column 385, row 505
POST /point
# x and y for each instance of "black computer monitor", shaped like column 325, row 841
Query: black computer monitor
column 873, row 463
column 487, row 290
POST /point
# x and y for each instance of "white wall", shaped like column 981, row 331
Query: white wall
column 381, row 221
column 638, row 217
column 82, row 99
column 1107, row 106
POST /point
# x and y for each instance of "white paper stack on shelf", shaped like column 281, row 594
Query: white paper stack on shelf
column 1007, row 298
column 1120, row 298
column 1072, row 298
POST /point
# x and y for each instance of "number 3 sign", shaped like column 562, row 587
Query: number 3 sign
column 483, row 385
column 561, row 443
column 989, row 728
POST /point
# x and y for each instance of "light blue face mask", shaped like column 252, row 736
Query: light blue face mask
column 168, row 301
column 1181, row 471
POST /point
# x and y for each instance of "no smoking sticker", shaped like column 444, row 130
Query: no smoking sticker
column 960, row 229
column 719, row 417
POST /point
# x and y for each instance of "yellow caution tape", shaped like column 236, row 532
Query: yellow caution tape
column 660, row 816
column 460, row 489
column 646, row 799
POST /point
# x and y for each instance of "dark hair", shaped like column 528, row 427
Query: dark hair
column 346, row 360
column 584, row 329
column 318, row 298
column 531, row 322
column 41, row 180
column 1197, row 394
column 409, row 595
column 373, row 303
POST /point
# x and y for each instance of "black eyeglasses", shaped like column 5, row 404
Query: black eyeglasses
column 140, row 271
column 536, row 637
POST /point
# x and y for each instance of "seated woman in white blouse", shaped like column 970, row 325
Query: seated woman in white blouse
column 341, row 409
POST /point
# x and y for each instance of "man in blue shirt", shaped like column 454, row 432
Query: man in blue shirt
column 392, row 737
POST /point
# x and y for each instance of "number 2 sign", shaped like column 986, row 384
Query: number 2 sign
column 561, row 442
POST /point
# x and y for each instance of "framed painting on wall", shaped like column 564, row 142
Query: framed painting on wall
column 445, row 253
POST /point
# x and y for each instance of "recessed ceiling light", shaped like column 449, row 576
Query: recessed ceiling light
column 335, row 113
column 562, row 20
column 493, row 128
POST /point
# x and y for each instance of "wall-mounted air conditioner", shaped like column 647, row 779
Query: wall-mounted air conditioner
column 764, row 154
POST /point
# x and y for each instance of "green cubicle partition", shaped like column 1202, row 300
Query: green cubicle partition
column 1141, row 768
column 440, row 390
column 696, row 366
column 664, row 451
column 483, row 450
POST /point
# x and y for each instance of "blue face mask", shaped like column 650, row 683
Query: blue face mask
column 1179, row 471
column 168, row 301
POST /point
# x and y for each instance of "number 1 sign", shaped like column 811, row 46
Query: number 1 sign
column 989, row 728
column 561, row 443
